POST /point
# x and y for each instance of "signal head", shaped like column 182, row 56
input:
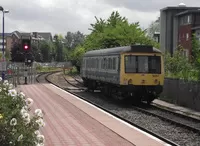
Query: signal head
column 26, row 44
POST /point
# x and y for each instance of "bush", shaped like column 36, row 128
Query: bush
column 178, row 66
column 17, row 126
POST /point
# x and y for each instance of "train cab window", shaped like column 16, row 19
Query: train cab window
column 130, row 64
column 154, row 64
column 143, row 64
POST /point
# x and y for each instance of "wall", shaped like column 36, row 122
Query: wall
column 8, row 43
column 183, row 41
column 182, row 93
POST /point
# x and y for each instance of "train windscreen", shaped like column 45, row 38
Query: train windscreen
column 142, row 64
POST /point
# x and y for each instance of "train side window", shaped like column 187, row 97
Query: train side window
column 99, row 63
column 114, row 63
column 109, row 63
column 106, row 63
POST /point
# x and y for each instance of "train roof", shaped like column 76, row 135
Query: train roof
column 123, row 49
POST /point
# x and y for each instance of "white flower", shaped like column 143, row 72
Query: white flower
column 25, row 107
column 21, row 95
column 10, row 86
column 5, row 83
column 13, row 122
column 20, row 137
column 37, row 132
column 40, row 122
column 29, row 101
column 26, row 116
column 40, row 144
column 27, row 121
column 39, row 113
column 12, row 92
column 40, row 138
column 23, row 111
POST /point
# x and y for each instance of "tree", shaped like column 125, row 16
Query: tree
column 59, row 56
column 72, row 40
column 116, row 31
column 76, row 57
column 113, row 32
column 36, row 51
column 153, row 27
column 45, row 49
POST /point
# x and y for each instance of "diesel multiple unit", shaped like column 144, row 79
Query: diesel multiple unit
column 135, row 71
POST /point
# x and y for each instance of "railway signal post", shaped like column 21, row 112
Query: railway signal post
column 26, row 46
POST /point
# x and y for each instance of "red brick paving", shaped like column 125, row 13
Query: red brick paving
column 66, row 125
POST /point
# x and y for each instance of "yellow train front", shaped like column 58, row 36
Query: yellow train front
column 135, row 72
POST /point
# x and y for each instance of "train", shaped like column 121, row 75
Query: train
column 135, row 72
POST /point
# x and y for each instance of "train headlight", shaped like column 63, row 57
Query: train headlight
column 156, row 81
column 130, row 81
column 143, row 81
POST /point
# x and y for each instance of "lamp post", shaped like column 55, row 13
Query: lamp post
column 3, row 50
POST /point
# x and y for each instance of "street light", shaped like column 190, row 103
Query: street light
column 3, row 51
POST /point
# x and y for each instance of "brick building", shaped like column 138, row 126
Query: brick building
column 189, row 23
column 177, row 24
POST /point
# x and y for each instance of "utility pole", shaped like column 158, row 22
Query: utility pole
column 3, row 49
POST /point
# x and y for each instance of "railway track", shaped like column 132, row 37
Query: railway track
column 164, row 114
column 79, row 87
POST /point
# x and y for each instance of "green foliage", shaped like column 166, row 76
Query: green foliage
column 76, row 56
column 178, row 66
column 72, row 40
column 196, row 51
column 17, row 126
column 59, row 47
column 73, row 71
column 113, row 32
column 36, row 51
column 116, row 31
column 46, row 49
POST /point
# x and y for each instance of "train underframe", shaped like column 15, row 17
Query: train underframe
column 134, row 93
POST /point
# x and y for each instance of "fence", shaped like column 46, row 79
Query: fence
column 182, row 93
column 16, row 73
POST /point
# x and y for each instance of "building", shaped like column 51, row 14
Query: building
column 177, row 28
column 6, row 35
column 188, row 24
column 156, row 36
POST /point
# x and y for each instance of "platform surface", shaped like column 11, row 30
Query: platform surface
column 73, row 122
column 178, row 109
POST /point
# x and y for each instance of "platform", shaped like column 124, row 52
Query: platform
column 71, row 121
column 178, row 109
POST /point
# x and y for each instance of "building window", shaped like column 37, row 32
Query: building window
column 189, row 19
column 187, row 36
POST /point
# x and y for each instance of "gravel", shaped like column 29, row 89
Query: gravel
column 179, row 135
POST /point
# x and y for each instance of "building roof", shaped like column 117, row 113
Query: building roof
column 45, row 35
column 5, row 34
column 42, row 35
column 179, row 8
column 188, row 12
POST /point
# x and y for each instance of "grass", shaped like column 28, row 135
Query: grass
column 48, row 69
column 73, row 71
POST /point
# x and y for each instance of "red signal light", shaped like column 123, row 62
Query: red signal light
column 26, row 47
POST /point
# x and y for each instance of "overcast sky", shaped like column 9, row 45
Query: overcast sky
column 60, row 16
